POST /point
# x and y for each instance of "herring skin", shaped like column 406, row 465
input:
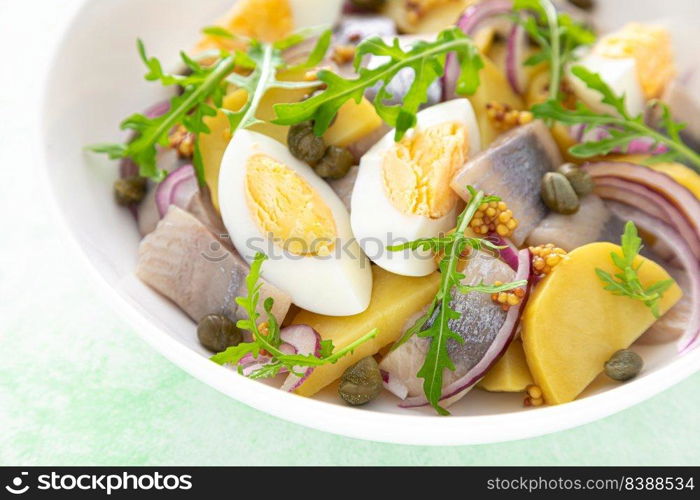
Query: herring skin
column 512, row 168
column 187, row 263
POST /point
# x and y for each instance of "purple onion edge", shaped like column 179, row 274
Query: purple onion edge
column 472, row 377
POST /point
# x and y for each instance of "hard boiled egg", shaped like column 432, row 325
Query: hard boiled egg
column 403, row 192
column 619, row 74
column 273, row 203
column 311, row 13
column 650, row 47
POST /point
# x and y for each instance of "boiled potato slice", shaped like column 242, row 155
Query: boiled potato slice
column 571, row 325
column 510, row 373
column 437, row 17
column 395, row 300
column 493, row 87
column 352, row 122
column 213, row 144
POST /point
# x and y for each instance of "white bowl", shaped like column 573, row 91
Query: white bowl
column 96, row 80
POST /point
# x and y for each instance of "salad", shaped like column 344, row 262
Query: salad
column 421, row 197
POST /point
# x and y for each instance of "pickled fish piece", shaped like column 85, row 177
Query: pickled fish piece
column 479, row 322
column 512, row 168
column 593, row 222
column 184, row 261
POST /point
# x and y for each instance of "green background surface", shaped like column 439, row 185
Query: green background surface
column 78, row 386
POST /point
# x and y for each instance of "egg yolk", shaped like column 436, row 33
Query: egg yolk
column 265, row 20
column 650, row 47
column 417, row 170
column 284, row 205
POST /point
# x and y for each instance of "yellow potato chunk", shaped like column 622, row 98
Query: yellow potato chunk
column 425, row 16
column 493, row 87
column 352, row 122
column 213, row 144
column 510, row 373
column 571, row 325
column 395, row 300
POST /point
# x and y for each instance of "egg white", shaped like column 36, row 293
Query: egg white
column 312, row 13
column 377, row 224
column 336, row 285
column 619, row 74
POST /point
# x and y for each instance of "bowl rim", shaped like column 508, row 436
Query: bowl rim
column 320, row 415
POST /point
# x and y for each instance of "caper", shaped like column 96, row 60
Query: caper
column 216, row 332
column 130, row 190
column 558, row 194
column 623, row 365
column 583, row 4
column 368, row 4
column 335, row 163
column 581, row 181
column 361, row 383
column 304, row 144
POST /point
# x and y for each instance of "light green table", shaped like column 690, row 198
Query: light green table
column 78, row 386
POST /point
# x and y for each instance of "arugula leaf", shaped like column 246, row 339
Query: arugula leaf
column 437, row 358
column 622, row 127
column 557, row 35
column 426, row 59
column 203, row 92
column 270, row 341
column 626, row 283
column 595, row 82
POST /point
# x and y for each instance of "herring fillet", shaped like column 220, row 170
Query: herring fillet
column 480, row 321
column 594, row 221
column 512, row 168
column 184, row 261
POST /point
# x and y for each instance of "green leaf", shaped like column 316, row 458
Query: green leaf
column 202, row 95
column 622, row 128
column 426, row 59
column 319, row 51
column 232, row 355
column 627, row 282
column 595, row 82
column 219, row 31
column 557, row 35
column 440, row 313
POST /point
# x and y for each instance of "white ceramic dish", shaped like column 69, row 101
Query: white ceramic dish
column 96, row 79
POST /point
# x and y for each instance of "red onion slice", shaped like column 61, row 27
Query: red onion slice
column 662, row 207
column 157, row 110
column 394, row 385
column 654, row 205
column 640, row 145
column 501, row 341
column 515, row 50
column 250, row 363
column 178, row 188
column 469, row 23
column 660, row 229
column 686, row 205
column 509, row 254
column 305, row 340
